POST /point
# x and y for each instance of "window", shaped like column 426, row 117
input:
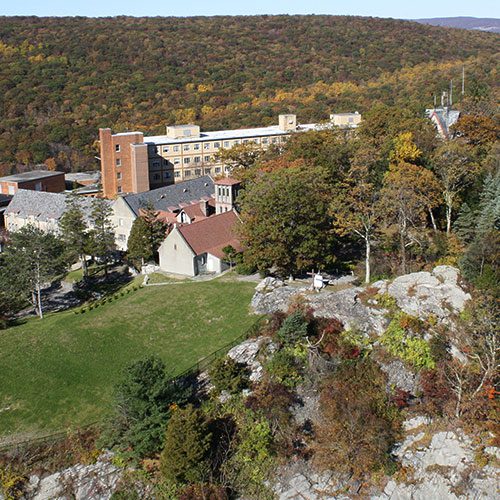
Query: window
column 206, row 145
column 177, row 161
column 207, row 171
column 216, row 145
column 121, row 237
column 227, row 169
column 117, row 148
column 119, row 189
column 187, row 173
column 177, row 174
column 156, row 177
column 196, row 147
column 274, row 140
column 217, row 170
column 197, row 159
column 11, row 189
column 165, row 149
column 265, row 140
column 156, row 163
column 187, row 160
column 175, row 246
column 187, row 147
column 120, row 222
column 226, row 144
column 118, row 162
column 236, row 142
column 197, row 171
column 166, row 175
column 176, row 149
column 207, row 159
column 245, row 141
column 351, row 119
column 119, row 175
column 256, row 141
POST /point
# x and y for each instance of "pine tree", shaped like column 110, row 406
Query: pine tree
column 101, row 235
column 187, row 441
column 31, row 260
column 74, row 232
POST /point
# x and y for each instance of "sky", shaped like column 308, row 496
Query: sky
column 379, row 8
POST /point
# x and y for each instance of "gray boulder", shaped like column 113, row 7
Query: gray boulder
column 422, row 294
column 247, row 352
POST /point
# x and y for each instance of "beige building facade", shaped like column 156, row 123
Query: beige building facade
column 133, row 163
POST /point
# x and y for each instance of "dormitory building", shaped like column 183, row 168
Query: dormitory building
column 132, row 163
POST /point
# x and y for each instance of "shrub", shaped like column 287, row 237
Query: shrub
column 293, row 329
column 203, row 492
column 184, row 458
column 359, row 425
column 245, row 269
column 12, row 485
column 285, row 368
column 401, row 340
column 144, row 399
column 227, row 375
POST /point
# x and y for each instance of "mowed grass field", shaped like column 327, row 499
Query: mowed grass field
column 58, row 373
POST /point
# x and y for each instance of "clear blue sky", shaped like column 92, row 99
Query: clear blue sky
column 403, row 9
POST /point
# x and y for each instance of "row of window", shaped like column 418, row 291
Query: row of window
column 177, row 161
column 216, row 145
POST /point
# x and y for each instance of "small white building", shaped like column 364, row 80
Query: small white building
column 197, row 248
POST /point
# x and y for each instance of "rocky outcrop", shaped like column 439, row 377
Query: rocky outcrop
column 440, row 465
column 343, row 305
column 422, row 294
column 399, row 376
column 81, row 482
column 247, row 352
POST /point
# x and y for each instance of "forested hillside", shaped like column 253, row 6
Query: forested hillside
column 62, row 78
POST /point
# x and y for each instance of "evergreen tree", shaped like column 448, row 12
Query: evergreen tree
column 187, row 442
column 146, row 236
column 31, row 260
column 143, row 402
column 74, row 232
column 101, row 235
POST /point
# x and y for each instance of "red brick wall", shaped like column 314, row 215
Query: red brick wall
column 53, row 184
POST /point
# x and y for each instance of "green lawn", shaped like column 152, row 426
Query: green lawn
column 59, row 372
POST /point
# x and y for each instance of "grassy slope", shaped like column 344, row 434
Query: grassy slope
column 60, row 371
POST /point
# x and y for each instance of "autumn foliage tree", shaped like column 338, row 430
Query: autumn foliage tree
column 409, row 194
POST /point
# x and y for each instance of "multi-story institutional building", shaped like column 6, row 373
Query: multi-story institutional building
column 132, row 163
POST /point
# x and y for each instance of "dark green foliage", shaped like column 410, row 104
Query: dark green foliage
column 286, row 368
column 32, row 258
column 101, row 235
column 146, row 236
column 479, row 230
column 277, row 231
column 228, row 375
column 184, row 458
column 293, row 329
column 143, row 403
column 74, row 232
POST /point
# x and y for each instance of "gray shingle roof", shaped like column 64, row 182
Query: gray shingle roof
column 30, row 176
column 42, row 205
column 165, row 198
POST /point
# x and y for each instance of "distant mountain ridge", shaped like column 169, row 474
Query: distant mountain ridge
column 468, row 23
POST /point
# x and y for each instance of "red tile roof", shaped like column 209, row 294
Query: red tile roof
column 212, row 234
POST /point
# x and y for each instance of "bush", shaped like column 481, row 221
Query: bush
column 359, row 425
column 184, row 458
column 245, row 269
column 203, row 492
column 285, row 368
column 144, row 399
column 401, row 340
column 227, row 375
column 293, row 329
